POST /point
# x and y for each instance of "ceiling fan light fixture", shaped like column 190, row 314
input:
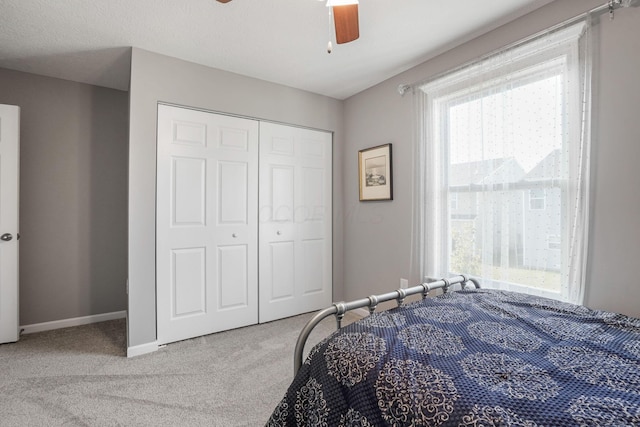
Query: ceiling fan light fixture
column 331, row 3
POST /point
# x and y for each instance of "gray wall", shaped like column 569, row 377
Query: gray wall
column 157, row 78
column 73, row 196
column 377, row 236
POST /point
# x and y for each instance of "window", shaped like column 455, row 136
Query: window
column 536, row 199
column 554, row 242
column 509, row 136
column 454, row 201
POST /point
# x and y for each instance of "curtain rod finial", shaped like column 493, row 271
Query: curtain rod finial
column 403, row 88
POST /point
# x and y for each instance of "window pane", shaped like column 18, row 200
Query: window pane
column 505, row 150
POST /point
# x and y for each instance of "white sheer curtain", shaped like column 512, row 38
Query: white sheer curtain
column 502, row 167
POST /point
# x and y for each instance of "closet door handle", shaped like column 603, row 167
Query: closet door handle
column 278, row 232
column 6, row 237
column 234, row 235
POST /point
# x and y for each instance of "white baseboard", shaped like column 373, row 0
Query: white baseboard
column 76, row 321
column 139, row 350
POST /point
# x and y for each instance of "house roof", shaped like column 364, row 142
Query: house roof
column 491, row 171
column 505, row 170
column 549, row 167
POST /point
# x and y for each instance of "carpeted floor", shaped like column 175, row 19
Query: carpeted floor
column 80, row 377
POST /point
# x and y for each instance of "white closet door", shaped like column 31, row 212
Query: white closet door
column 9, row 183
column 295, row 268
column 206, row 229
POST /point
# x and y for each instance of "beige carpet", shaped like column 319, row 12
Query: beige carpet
column 80, row 377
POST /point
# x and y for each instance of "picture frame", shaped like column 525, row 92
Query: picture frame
column 375, row 173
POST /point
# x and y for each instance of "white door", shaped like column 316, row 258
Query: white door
column 206, row 249
column 9, row 179
column 295, row 231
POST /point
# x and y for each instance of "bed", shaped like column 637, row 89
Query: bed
column 470, row 357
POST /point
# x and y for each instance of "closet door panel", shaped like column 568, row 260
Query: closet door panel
column 233, row 197
column 282, row 194
column 295, row 207
column 281, row 282
column 234, row 285
column 313, row 263
column 188, row 191
column 188, row 282
column 313, row 194
column 206, row 237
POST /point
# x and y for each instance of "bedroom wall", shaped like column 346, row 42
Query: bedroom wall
column 377, row 239
column 73, row 196
column 157, row 78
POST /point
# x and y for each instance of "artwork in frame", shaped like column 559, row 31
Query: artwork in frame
column 374, row 171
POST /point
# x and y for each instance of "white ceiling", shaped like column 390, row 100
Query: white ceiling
column 281, row 41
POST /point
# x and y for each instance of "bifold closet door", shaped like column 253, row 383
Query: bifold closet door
column 295, row 224
column 206, row 225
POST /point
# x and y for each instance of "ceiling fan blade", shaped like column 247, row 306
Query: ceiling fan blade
column 345, row 19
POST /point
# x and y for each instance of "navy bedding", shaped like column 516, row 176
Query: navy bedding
column 472, row 358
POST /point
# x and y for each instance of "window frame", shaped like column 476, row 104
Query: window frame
column 434, row 213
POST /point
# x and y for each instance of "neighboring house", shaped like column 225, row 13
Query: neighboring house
column 484, row 205
column 503, row 216
column 543, row 202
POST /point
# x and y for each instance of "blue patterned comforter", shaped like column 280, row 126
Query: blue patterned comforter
column 472, row 358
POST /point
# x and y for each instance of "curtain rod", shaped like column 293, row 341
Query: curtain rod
column 608, row 7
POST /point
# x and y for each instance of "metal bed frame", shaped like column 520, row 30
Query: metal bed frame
column 339, row 309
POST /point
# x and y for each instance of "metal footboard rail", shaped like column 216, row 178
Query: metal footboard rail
column 339, row 309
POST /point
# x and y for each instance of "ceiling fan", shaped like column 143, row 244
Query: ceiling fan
column 345, row 19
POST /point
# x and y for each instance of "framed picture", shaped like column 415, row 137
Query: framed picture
column 374, row 170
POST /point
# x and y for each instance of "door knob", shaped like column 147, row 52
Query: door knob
column 6, row 237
